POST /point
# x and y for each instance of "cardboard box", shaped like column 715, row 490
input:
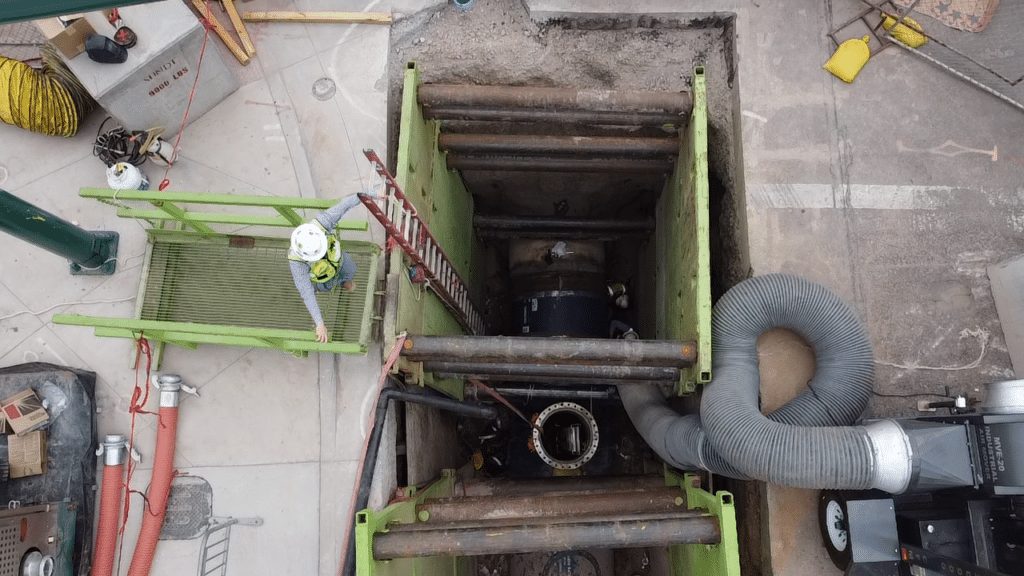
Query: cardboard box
column 70, row 41
column 24, row 412
column 27, row 454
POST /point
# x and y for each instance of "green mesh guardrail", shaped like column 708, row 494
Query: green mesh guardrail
column 210, row 286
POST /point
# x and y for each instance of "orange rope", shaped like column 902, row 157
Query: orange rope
column 199, row 67
column 136, row 407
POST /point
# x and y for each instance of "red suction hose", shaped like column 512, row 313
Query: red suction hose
column 163, row 472
column 114, row 450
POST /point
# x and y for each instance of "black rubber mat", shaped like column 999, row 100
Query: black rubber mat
column 70, row 446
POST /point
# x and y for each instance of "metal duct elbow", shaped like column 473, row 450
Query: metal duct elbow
column 808, row 442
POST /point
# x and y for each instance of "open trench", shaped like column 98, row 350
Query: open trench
column 590, row 182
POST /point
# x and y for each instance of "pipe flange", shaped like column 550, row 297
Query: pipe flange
column 557, row 422
column 892, row 456
column 170, row 390
column 1005, row 397
column 114, row 449
column 37, row 564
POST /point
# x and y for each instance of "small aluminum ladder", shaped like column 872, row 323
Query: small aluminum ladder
column 403, row 225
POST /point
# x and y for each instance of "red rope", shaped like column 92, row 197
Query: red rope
column 499, row 398
column 142, row 349
column 184, row 120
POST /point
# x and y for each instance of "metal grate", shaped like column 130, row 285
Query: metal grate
column 189, row 508
column 10, row 561
column 215, row 283
column 989, row 58
column 20, row 41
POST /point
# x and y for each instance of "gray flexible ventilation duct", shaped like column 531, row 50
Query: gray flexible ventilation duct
column 806, row 443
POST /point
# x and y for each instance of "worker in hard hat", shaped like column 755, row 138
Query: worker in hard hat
column 318, row 263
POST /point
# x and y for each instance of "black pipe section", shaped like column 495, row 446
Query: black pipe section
column 527, row 350
column 555, row 371
column 483, row 411
column 605, row 392
column 552, row 164
column 402, row 542
column 475, row 96
column 93, row 250
column 530, row 145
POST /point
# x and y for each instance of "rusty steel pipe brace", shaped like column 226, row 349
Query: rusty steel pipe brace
column 531, row 145
column 528, row 350
column 471, row 96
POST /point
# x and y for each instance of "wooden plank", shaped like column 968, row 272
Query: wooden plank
column 236, row 20
column 225, row 37
column 319, row 17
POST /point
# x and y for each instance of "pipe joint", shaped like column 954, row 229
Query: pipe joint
column 892, row 456
column 170, row 390
column 114, row 450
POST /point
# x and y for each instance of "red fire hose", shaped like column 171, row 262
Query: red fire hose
column 110, row 505
column 163, row 472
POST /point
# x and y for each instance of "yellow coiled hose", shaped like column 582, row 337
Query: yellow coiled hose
column 51, row 101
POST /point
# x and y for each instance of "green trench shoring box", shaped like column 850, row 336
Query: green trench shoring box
column 682, row 289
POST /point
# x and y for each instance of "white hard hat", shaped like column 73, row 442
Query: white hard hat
column 309, row 241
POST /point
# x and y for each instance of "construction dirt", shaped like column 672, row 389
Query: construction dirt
column 498, row 43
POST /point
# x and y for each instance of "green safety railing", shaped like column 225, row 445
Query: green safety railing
column 206, row 281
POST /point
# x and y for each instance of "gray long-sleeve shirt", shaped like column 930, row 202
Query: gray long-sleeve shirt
column 300, row 269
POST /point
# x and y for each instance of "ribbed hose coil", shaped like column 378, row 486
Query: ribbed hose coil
column 110, row 514
column 159, row 491
column 807, row 443
column 51, row 101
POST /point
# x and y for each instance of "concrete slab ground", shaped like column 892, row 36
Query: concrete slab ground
column 895, row 191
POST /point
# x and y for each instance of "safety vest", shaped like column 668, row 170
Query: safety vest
column 326, row 268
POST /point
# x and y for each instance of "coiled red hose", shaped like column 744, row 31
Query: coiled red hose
column 110, row 512
column 159, row 490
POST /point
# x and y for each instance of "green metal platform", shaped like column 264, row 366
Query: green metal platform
column 204, row 286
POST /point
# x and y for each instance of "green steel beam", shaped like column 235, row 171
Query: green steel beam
column 701, row 370
column 207, row 217
column 722, row 559
column 683, row 246
column 370, row 522
column 211, row 333
column 169, row 210
column 290, row 215
column 182, row 327
column 191, row 339
column 445, row 205
column 179, row 214
column 205, row 198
